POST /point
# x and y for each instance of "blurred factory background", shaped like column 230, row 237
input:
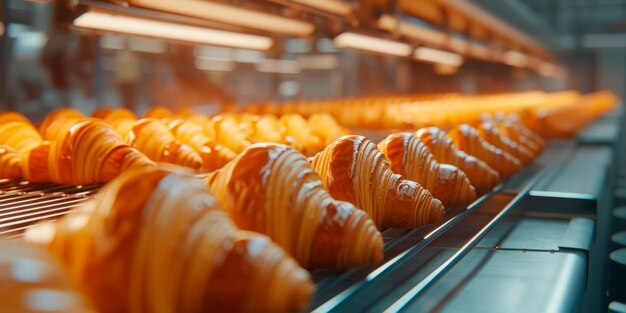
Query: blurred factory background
column 47, row 61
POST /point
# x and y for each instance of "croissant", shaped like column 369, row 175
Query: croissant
column 467, row 139
column 12, row 116
column 9, row 163
column 83, row 152
column 271, row 188
column 155, row 140
column 213, row 155
column 158, row 112
column 409, row 157
column 60, row 114
column 481, row 176
column 299, row 135
column 522, row 135
column 112, row 114
column 264, row 128
column 492, row 135
column 156, row 241
column 29, row 276
column 19, row 134
column 353, row 170
column 228, row 134
column 326, row 127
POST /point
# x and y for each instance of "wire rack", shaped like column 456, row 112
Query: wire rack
column 23, row 204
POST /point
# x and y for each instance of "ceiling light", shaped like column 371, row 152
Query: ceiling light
column 373, row 44
column 230, row 15
column 416, row 32
column 332, row 6
column 514, row 58
column 144, row 27
column 279, row 66
column 438, row 56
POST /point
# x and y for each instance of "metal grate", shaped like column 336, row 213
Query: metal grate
column 23, row 204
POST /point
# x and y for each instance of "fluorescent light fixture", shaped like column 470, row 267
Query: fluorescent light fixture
column 279, row 66
column 416, row 32
column 373, row 44
column 215, row 65
column 229, row 14
column 147, row 46
column 438, row 56
column 319, row 62
column 247, row 56
column 514, row 58
column 332, row 6
column 144, row 27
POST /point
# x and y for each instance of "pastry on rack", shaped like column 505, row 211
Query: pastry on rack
column 62, row 115
column 156, row 141
column 492, row 135
column 353, row 170
column 157, row 241
column 111, row 114
column 213, row 155
column 264, row 128
column 18, row 133
column 32, row 281
column 326, row 127
column 158, row 112
column 409, row 157
column 272, row 189
column 10, row 163
column 481, row 176
column 228, row 134
column 516, row 131
column 84, row 152
column 299, row 134
column 467, row 139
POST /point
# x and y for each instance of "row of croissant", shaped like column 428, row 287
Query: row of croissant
column 160, row 239
column 557, row 114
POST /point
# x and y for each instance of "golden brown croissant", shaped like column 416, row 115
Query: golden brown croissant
column 228, row 134
column 522, row 135
column 467, row 139
column 112, row 114
column 481, row 176
column 353, row 170
column 12, row 116
column 19, row 135
column 60, row 114
column 158, row 112
column 326, row 127
column 264, row 128
column 156, row 141
column 299, row 135
column 9, row 163
column 492, row 135
column 155, row 241
column 213, row 155
column 272, row 189
column 33, row 282
column 409, row 157
column 83, row 152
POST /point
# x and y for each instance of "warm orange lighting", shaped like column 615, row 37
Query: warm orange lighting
column 373, row 44
column 332, row 6
column 232, row 15
column 514, row 58
column 150, row 28
column 438, row 56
